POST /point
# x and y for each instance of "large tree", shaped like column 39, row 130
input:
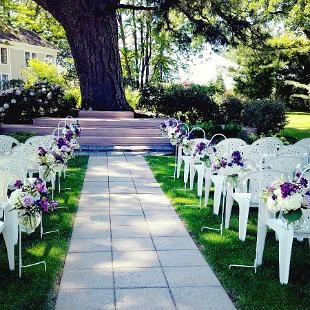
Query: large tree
column 92, row 32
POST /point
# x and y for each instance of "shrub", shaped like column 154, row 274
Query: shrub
column 21, row 105
column 266, row 115
column 41, row 71
column 232, row 130
column 132, row 97
column 189, row 102
column 231, row 110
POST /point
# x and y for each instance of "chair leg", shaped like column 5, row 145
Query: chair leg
column 285, row 250
column 200, row 182
column 218, row 188
column 229, row 204
column 9, row 242
column 179, row 161
column 186, row 171
column 243, row 219
column 192, row 172
column 260, row 243
column 207, row 185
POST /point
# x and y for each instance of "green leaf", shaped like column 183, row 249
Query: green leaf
column 293, row 216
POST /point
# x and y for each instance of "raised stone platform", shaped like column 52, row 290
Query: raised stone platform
column 105, row 130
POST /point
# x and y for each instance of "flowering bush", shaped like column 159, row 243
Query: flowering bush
column 21, row 105
column 287, row 197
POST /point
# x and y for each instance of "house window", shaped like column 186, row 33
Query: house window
column 34, row 55
column 27, row 58
column 49, row 58
column 5, row 77
column 4, row 55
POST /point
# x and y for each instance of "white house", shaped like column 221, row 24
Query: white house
column 17, row 47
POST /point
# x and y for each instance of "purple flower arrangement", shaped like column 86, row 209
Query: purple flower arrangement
column 289, row 198
column 231, row 165
column 31, row 197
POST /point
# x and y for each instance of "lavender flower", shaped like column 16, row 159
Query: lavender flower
column 27, row 201
column 42, row 151
column 18, row 184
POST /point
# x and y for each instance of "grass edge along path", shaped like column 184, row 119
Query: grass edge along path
column 247, row 289
column 38, row 289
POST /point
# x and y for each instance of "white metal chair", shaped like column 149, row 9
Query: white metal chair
column 295, row 150
column 8, row 221
column 271, row 144
column 7, row 143
column 15, row 167
column 286, row 164
column 250, row 186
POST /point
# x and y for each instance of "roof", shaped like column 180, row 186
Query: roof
column 24, row 36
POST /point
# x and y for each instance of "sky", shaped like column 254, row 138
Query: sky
column 205, row 67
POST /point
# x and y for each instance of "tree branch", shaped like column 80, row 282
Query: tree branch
column 137, row 7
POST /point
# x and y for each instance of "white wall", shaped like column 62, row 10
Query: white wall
column 16, row 58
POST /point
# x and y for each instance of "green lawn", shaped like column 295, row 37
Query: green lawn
column 247, row 289
column 298, row 126
column 37, row 289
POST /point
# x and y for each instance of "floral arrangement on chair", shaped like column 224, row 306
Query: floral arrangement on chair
column 187, row 144
column 48, row 161
column 203, row 152
column 287, row 199
column 230, row 166
column 166, row 126
column 30, row 199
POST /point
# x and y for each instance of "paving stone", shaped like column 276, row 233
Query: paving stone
column 89, row 260
column 149, row 190
column 130, row 231
column 132, row 244
column 91, row 219
column 139, row 277
column 87, row 278
column 174, row 243
column 129, row 211
column 158, row 211
column 154, row 200
column 122, row 188
column 99, row 231
column 127, row 179
column 125, row 221
column 95, row 188
column 181, row 258
column 135, row 259
column 167, row 230
column 202, row 298
column 191, row 276
column 87, row 245
column 92, row 210
column 81, row 299
column 144, row 299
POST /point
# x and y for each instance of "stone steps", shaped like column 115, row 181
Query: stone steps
column 104, row 130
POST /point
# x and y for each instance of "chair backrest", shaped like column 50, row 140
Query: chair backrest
column 254, row 182
column 293, row 150
column 15, row 167
column 286, row 164
column 6, row 178
column 304, row 142
column 40, row 141
column 7, row 143
column 254, row 153
column 26, row 151
column 271, row 144
column 229, row 145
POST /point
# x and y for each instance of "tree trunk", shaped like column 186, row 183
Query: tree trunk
column 92, row 32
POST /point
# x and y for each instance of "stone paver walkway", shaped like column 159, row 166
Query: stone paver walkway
column 130, row 250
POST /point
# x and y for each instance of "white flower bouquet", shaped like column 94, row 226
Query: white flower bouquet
column 286, row 198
